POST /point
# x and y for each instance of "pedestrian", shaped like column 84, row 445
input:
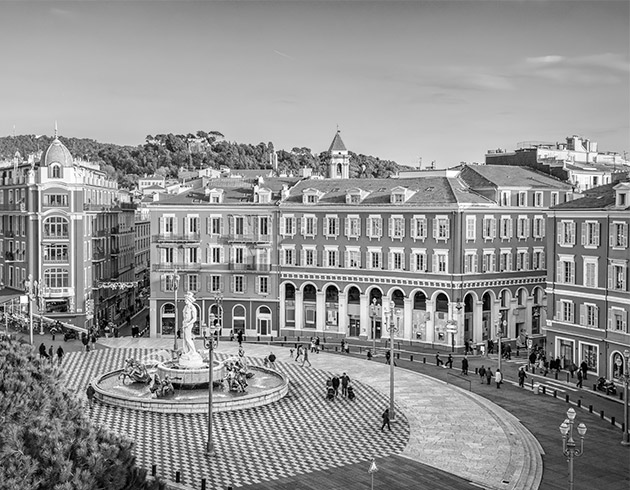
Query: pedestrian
column 584, row 368
column 488, row 375
column 572, row 369
column 449, row 362
column 299, row 353
column 60, row 354
column 438, row 361
column 388, row 357
column 305, row 357
column 42, row 351
column 53, row 331
column 90, row 394
column 498, row 378
column 312, row 345
column 345, row 380
column 465, row 366
column 317, row 345
column 385, row 417
column 369, row 355
column 466, row 346
column 272, row 360
column 482, row 373
column 521, row 376
column 343, row 345
column 580, row 378
column 532, row 360
column 239, row 337
column 335, row 385
column 50, row 354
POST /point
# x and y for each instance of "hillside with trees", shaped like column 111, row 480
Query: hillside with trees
column 165, row 154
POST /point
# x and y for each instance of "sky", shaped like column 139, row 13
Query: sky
column 438, row 81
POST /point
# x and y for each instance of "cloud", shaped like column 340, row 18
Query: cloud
column 284, row 55
column 63, row 13
column 603, row 68
column 466, row 78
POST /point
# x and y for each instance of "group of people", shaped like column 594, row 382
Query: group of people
column 302, row 353
column 48, row 354
column 487, row 375
column 332, row 387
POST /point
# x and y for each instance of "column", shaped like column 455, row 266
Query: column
column 365, row 320
column 153, row 317
column 320, row 306
column 281, row 310
column 477, row 321
column 342, row 326
column 299, row 310
column 407, row 327
column 430, row 323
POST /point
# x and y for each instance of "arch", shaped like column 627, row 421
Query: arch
column 289, row 291
column 419, row 314
column 617, row 370
column 239, row 318
column 374, row 292
column 505, row 296
column 332, row 294
column 538, row 295
column 167, row 319
column 521, row 296
column 55, row 171
column 309, row 293
column 350, row 286
column 289, row 304
column 353, row 309
column 263, row 320
column 215, row 311
column 398, row 296
column 56, row 227
column 308, row 285
column 354, row 296
column 441, row 303
column 487, row 300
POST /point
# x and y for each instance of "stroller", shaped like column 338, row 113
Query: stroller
column 330, row 394
column 351, row 394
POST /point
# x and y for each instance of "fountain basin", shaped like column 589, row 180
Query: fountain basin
column 190, row 377
column 267, row 386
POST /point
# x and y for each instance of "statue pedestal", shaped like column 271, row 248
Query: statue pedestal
column 191, row 360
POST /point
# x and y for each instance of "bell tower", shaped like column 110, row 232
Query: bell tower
column 339, row 164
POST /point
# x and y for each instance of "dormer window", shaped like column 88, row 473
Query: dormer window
column 355, row 195
column 215, row 196
column 622, row 197
column 262, row 196
column 399, row 195
column 311, row 196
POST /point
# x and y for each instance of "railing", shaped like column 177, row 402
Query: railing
column 10, row 206
column 96, row 207
column 171, row 238
column 97, row 256
column 55, row 260
column 249, row 237
column 171, row 266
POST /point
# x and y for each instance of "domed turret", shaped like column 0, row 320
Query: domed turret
column 57, row 153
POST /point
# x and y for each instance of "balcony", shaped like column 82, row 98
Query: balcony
column 95, row 207
column 9, row 233
column 115, row 251
column 249, row 238
column 171, row 266
column 9, row 256
column 250, row 267
column 98, row 256
column 171, row 238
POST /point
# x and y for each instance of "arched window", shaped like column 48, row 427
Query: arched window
column 238, row 319
column 55, row 171
column 56, row 227
column 56, row 278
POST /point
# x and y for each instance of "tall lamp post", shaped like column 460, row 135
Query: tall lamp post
column 31, row 286
column 175, row 278
column 218, row 298
column 569, row 448
column 626, row 378
column 392, row 328
column 40, row 305
column 501, row 326
column 375, row 311
column 210, row 343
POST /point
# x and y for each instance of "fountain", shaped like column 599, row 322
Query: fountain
column 181, row 384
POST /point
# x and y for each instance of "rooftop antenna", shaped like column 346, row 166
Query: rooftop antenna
column 419, row 163
column 55, row 129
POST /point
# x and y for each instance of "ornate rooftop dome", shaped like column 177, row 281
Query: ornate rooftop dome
column 57, row 152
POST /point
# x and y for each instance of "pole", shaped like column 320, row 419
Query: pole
column 30, row 311
column 452, row 342
column 570, row 468
column 210, row 446
column 175, row 286
column 626, row 377
column 391, row 369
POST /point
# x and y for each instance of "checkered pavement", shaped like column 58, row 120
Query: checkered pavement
column 301, row 433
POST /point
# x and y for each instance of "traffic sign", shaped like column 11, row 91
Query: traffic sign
column 530, row 343
column 373, row 467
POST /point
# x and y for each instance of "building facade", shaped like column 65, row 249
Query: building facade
column 587, row 284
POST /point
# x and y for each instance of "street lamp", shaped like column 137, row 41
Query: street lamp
column 501, row 327
column 374, row 312
column 175, row 279
column 218, row 298
column 210, row 343
column 392, row 329
column 569, row 448
column 30, row 292
column 626, row 377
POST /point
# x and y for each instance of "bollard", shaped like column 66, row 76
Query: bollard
column 601, row 414
column 258, row 339
column 567, row 377
column 590, row 408
column 398, row 355
column 177, row 477
column 556, row 374
column 544, row 390
column 527, row 368
column 612, row 420
column 532, row 382
column 411, row 357
column 285, row 338
column 154, row 470
column 424, row 360
column 203, row 484
column 555, row 393
column 566, row 398
column 579, row 403
column 594, row 387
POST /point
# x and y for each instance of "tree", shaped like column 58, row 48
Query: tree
column 47, row 440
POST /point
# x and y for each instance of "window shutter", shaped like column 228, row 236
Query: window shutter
column 414, row 228
column 611, row 281
column 494, row 263
column 402, row 228
column 624, row 234
column 163, row 282
column 596, row 234
column 160, row 225
column 596, row 316
column 584, row 231
column 257, row 285
column 560, row 226
column 466, row 264
column 611, row 236
column 435, row 263
column 368, row 227
column 315, row 226
column 527, row 228
column 624, row 321
column 572, row 312
column 302, row 225
column 558, row 310
column 283, row 226
column 391, row 227
column 610, row 318
column 175, row 226
column 526, row 260
column 163, row 255
column 347, row 227
column 327, row 226
column 582, row 314
column 435, row 228
column 475, row 263
column 346, row 259
column 493, row 228
column 542, row 228
column 559, row 271
column 510, row 228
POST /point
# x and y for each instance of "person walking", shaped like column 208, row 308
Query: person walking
column 449, row 362
column 272, row 360
column 299, row 353
column 388, row 357
column 438, row 361
column 521, row 376
column 317, row 345
column 498, row 378
column 532, row 360
column 385, row 417
column 584, row 368
column 305, row 357
column 50, row 354
column 345, row 380
column 60, row 354
column 239, row 337
column 335, row 385
column 42, row 351
column 488, row 375
column 482, row 373
column 90, row 394
column 465, row 366
column 580, row 379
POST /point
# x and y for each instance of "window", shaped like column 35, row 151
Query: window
column 56, row 227
column 538, row 259
column 440, row 261
column 505, row 199
column 55, row 171
column 521, row 199
column 590, row 354
column 590, row 234
column 522, row 227
column 239, row 284
column 192, row 225
column 56, row 253
column 397, row 227
column 311, row 199
column 554, row 198
column 441, row 228
column 167, row 255
column 238, row 225
column 396, row 259
column 590, row 272
column 419, row 260
column 309, row 226
column 287, row 226
column 617, row 275
column 309, row 256
column 214, row 225
column 471, row 227
column 539, row 227
column 58, row 200
column 375, row 260
column 169, row 224
column 353, row 258
column 215, row 255
column 506, row 228
column 470, row 262
column 618, row 319
column 565, row 272
column 331, row 226
column 263, row 285
column 374, row 226
column 419, row 227
column 489, row 261
column 331, row 257
column 505, row 260
column 522, row 260
column 353, row 226
column 489, row 227
column 398, row 198
column 192, row 282
column 263, row 226
column 566, row 233
column 288, row 256
column 538, row 199
column 238, row 255
column 566, row 311
column 56, row 278
column 589, row 315
column 619, row 235
column 214, row 284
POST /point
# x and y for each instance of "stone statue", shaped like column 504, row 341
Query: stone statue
column 189, row 358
